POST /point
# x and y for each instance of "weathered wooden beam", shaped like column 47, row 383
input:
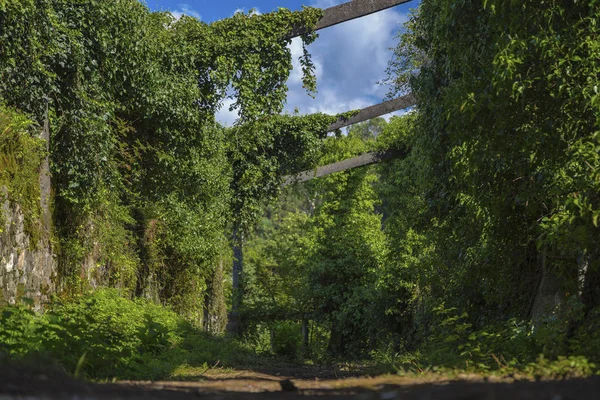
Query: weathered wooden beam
column 375, row 111
column 347, row 12
column 360, row 161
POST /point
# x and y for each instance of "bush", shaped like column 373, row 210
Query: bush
column 103, row 335
column 287, row 339
column 455, row 343
column 111, row 333
column 550, row 350
column 102, row 332
column 19, row 328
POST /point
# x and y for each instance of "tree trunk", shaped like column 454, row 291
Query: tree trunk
column 233, row 325
column 336, row 344
column 549, row 295
column 215, row 311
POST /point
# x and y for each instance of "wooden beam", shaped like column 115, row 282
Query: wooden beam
column 347, row 12
column 360, row 161
column 375, row 111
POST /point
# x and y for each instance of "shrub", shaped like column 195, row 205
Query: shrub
column 102, row 335
column 287, row 339
column 110, row 333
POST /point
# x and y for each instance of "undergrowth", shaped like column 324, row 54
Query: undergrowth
column 104, row 336
column 558, row 348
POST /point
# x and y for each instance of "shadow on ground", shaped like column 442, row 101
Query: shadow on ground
column 17, row 382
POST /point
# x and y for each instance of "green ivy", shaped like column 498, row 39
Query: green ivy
column 265, row 151
column 143, row 176
column 506, row 133
column 21, row 156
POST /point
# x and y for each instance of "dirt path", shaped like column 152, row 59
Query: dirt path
column 213, row 385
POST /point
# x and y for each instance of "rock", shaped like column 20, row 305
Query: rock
column 287, row 386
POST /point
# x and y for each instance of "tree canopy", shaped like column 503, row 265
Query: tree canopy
column 479, row 247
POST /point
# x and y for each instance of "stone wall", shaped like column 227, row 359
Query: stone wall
column 27, row 269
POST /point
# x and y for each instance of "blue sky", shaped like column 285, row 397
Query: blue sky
column 350, row 58
column 211, row 10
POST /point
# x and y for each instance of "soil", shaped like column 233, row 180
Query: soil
column 26, row 383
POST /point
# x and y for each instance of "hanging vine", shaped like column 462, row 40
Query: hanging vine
column 143, row 175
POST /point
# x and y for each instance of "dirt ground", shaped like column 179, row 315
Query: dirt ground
column 19, row 383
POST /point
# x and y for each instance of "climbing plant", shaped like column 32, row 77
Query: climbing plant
column 507, row 136
column 143, row 174
column 21, row 156
column 264, row 151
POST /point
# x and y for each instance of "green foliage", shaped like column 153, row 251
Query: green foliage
column 440, row 257
column 277, row 267
column 348, row 253
column 111, row 334
column 316, row 257
column 144, row 178
column 368, row 130
column 573, row 367
column 491, row 212
column 287, row 339
column 248, row 52
column 505, row 157
column 18, row 331
column 509, row 348
column 455, row 343
column 103, row 336
column 264, row 151
column 21, row 156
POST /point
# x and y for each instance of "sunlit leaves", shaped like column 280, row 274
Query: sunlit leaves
column 132, row 96
column 507, row 113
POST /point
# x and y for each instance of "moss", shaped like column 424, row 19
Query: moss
column 21, row 292
column 98, row 245
column 21, row 156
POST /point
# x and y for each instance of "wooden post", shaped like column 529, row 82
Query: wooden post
column 305, row 335
column 272, row 338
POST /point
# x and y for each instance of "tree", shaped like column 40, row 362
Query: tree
column 143, row 178
column 348, row 252
column 367, row 130
column 506, row 125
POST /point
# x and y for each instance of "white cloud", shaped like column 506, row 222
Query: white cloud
column 226, row 117
column 254, row 11
column 184, row 9
column 327, row 3
column 350, row 59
